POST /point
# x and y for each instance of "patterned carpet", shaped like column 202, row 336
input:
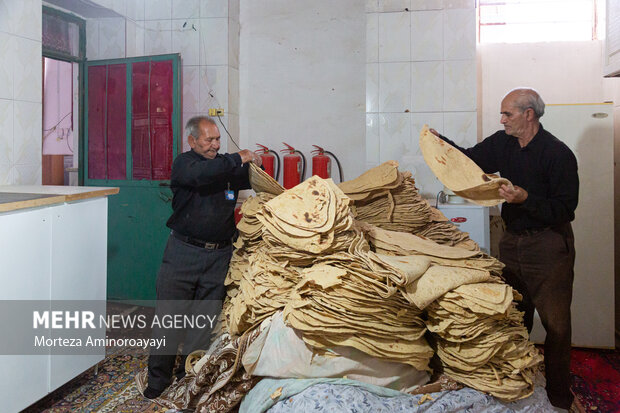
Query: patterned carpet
column 596, row 383
column 112, row 389
column 596, row 379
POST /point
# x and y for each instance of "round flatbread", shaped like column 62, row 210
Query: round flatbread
column 458, row 172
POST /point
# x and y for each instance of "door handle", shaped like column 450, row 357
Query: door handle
column 165, row 197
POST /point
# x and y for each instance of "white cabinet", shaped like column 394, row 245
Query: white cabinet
column 25, row 237
column 53, row 252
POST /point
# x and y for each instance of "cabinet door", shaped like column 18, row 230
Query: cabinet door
column 23, row 235
column 78, row 273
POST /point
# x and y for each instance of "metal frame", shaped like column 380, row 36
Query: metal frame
column 176, row 118
column 80, row 60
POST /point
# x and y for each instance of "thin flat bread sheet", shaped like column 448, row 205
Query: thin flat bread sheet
column 438, row 280
column 413, row 244
column 459, row 173
column 384, row 176
column 261, row 181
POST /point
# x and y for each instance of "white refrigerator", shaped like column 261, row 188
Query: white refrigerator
column 470, row 218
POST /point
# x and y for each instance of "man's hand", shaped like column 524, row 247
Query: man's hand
column 249, row 156
column 434, row 132
column 258, row 161
column 515, row 195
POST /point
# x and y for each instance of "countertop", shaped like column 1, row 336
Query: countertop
column 14, row 197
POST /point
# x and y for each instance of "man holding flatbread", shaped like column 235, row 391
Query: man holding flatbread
column 538, row 245
column 205, row 185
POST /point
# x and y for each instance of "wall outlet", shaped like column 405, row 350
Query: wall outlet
column 216, row 112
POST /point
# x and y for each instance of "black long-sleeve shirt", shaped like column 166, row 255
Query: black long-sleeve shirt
column 200, row 208
column 546, row 168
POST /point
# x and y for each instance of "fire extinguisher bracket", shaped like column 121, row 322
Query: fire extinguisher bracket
column 321, row 163
column 294, row 169
column 269, row 158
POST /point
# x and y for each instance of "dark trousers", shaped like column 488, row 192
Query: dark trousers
column 540, row 267
column 190, row 281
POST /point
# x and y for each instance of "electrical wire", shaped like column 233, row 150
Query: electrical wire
column 67, row 140
column 53, row 128
column 231, row 138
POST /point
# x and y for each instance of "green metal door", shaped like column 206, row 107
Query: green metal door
column 132, row 131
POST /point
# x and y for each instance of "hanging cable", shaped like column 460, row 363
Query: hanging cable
column 58, row 123
column 231, row 138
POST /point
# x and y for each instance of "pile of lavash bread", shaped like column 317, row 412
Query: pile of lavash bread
column 366, row 280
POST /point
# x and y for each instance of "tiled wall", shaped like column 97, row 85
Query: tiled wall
column 20, row 92
column 421, row 69
column 303, row 78
column 205, row 32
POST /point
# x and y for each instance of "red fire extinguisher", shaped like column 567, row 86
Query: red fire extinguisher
column 322, row 165
column 238, row 214
column 294, row 167
column 269, row 157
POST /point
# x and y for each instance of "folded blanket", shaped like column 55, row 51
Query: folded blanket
column 341, row 395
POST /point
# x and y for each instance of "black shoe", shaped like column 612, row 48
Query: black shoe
column 151, row 393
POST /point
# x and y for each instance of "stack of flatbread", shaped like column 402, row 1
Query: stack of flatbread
column 351, row 299
column 343, row 282
column 250, row 228
column 385, row 197
column 264, row 287
column 313, row 261
column 448, row 267
column 442, row 231
column 400, row 243
column 247, row 244
column 306, row 217
column 481, row 340
column 277, row 235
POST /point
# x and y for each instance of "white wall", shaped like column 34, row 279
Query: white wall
column 299, row 72
column 59, row 103
column 302, row 77
column 421, row 69
column 562, row 72
column 209, row 53
column 204, row 32
column 20, row 92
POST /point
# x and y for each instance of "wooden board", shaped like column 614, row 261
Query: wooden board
column 30, row 196
column 10, row 201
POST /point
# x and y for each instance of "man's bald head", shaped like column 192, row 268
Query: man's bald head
column 526, row 98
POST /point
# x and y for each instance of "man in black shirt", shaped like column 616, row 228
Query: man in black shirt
column 538, row 245
column 205, row 186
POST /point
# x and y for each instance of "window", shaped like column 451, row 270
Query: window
column 522, row 21
column 61, row 34
column 132, row 119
